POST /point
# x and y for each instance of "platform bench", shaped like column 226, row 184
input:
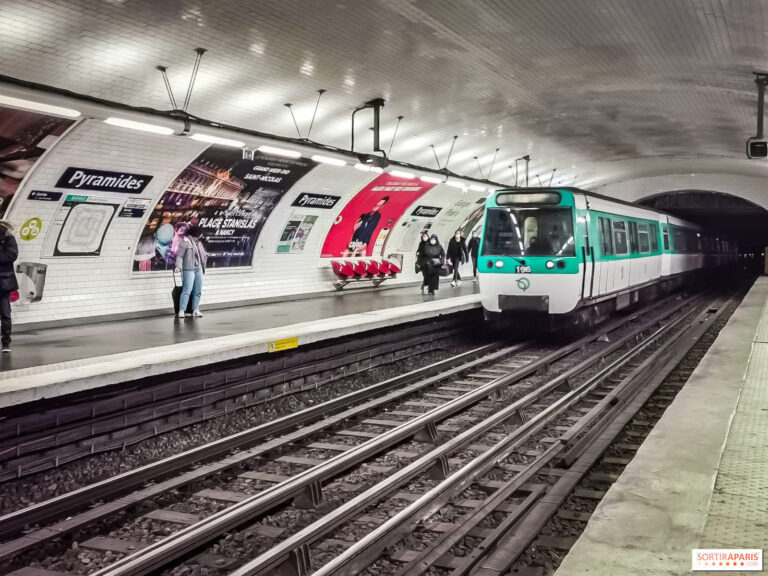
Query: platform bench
column 348, row 271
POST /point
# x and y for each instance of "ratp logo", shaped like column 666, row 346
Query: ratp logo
column 523, row 284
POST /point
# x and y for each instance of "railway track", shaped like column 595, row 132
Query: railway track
column 49, row 434
column 322, row 466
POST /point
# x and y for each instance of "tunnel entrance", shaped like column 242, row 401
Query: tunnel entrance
column 740, row 219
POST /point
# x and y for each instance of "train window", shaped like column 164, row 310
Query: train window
column 605, row 236
column 666, row 239
column 634, row 246
column 654, row 238
column 529, row 232
column 642, row 236
column 620, row 237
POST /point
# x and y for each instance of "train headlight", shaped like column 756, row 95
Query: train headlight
column 499, row 263
column 550, row 264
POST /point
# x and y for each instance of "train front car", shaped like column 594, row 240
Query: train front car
column 530, row 252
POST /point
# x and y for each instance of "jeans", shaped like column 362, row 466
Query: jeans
column 5, row 317
column 456, row 262
column 192, row 285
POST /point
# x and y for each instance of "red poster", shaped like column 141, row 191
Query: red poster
column 370, row 216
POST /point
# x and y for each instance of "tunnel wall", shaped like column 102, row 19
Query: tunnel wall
column 106, row 285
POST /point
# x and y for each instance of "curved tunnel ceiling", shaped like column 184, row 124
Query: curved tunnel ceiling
column 600, row 90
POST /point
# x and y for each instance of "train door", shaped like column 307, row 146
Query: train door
column 606, row 253
column 621, row 249
column 666, row 256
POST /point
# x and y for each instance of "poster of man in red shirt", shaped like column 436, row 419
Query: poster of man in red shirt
column 362, row 227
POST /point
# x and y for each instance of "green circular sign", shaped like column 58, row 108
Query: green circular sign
column 31, row 228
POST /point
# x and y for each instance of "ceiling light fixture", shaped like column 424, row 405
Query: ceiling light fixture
column 38, row 107
column 280, row 151
column 363, row 167
column 455, row 184
column 328, row 160
column 141, row 126
column 477, row 188
column 402, row 174
column 431, row 179
column 217, row 140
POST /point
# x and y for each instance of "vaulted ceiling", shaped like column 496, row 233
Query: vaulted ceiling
column 597, row 91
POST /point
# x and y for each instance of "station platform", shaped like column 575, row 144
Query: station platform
column 57, row 361
column 700, row 479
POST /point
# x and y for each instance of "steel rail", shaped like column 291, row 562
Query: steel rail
column 102, row 420
column 292, row 547
column 160, row 553
column 618, row 394
column 359, row 554
column 123, row 483
column 497, row 556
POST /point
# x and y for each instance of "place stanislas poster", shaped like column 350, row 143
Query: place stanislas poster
column 228, row 196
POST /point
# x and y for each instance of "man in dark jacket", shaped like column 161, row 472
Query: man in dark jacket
column 457, row 254
column 474, row 252
column 9, row 251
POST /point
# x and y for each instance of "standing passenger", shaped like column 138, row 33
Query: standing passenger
column 474, row 252
column 191, row 259
column 9, row 251
column 421, row 260
column 457, row 254
column 435, row 257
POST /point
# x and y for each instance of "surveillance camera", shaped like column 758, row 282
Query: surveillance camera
column 757, row 148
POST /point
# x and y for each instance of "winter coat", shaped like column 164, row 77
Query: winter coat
column 474, row 247
column 457, row 250
column 435, row 256
column 9, row 251
column 187, row 256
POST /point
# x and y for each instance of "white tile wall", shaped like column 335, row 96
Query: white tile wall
column 78, row 287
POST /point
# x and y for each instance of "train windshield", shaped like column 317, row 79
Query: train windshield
column 529, row 232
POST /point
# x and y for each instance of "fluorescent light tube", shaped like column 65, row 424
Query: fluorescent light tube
column 329, row 160
column 402, row 174
column 39, row 107
column 217, row 140
column 477, row 188
column 363, row 167
column 154, row 128
column 432, row 179
column 280, row 151
column 454, row 184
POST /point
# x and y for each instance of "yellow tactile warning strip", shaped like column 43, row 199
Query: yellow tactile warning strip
column 738, row 512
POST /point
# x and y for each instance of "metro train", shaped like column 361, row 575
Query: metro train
column 576, row 256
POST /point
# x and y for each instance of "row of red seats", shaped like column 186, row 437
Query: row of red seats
column 378, row 271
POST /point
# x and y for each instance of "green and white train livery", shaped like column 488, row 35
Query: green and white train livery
column 561, row 250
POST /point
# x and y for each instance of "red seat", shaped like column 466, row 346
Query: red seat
column 373, row 268
column 347, row 270
column 384, row 267
column 394, row 269
column 340, row 271
column 359, row 268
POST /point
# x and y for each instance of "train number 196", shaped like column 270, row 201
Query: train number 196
column 523, row 269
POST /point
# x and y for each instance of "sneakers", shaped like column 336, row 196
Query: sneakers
column 6, row 348
column 196, row 313
column 474, row 279
column 458, row 283
column 180, row 314
column 453, row 284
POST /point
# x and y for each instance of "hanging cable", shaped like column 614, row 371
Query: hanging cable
column 195, row 68
column 434, row 153
column 290, row 109
column 164, row 72
column 492, row 163
column 392, row 143
column 320, row 93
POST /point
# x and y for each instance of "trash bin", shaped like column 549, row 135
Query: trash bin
column 31, row 277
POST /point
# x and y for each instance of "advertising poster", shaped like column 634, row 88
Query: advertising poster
column 472, row 221
column 228, row 196
column 451, row 218
column 294, row 236
column 366, row 221
column 24, row 136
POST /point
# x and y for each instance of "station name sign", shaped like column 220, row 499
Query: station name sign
column 426, row 211
column 103, row 181
column 308, row 200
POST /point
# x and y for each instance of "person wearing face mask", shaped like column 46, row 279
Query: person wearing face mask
column 421, row 260
column 457, row 254
column 474, row 251
column 435, row 258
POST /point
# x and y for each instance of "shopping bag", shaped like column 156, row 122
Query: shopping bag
column 446, row 269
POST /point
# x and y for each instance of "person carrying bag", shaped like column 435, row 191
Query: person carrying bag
column 9, row 251
column 191, row 259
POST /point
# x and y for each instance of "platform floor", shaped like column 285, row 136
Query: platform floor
column 700, row 479
column 56, row 361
